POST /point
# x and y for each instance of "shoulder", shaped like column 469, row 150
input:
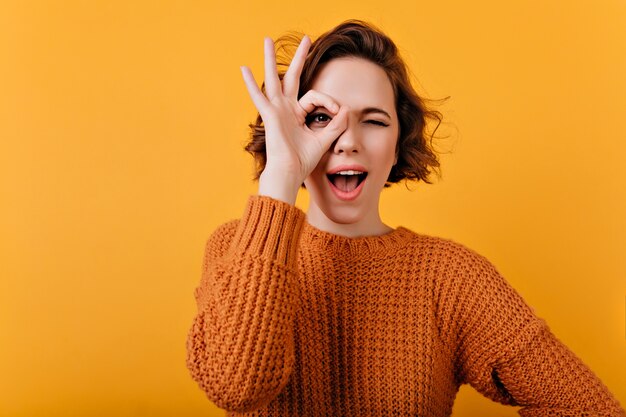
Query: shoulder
column 474, row 303
column 465, row 277
column 435, row 242
column 446, row 252
column 219, row 240
column 226, row 228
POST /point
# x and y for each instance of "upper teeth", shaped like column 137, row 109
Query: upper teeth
column 349, row 172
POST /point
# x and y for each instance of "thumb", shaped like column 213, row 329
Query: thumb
column 335, row 128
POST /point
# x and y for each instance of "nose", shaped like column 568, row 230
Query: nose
column 348, row 142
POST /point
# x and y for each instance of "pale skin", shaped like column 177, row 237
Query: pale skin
column 348, row 117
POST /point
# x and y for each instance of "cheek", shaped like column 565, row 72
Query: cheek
column 385, row 149
column 385, row 152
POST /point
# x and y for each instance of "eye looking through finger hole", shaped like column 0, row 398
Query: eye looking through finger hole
column 317, row 119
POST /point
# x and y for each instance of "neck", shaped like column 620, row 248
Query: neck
column 368, row 225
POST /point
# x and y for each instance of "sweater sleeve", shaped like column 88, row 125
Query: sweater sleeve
column 240, row 348
column 506, row 352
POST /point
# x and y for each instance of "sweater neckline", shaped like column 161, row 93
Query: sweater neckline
column 320, row 239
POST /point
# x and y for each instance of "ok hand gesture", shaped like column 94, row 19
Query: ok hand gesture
column 293, row 149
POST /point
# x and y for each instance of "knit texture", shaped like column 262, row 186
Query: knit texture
column 295, row 321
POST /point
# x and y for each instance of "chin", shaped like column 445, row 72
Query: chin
column 342, row 215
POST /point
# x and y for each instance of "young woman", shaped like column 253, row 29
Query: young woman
column 333, row 312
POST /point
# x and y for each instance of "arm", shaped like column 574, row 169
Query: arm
column 506, row 352
column 240, row 349
column 548, row 379
column 241, row 345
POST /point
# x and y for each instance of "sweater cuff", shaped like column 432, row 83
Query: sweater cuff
column 269, row 228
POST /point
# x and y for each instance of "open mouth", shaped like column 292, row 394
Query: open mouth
column 347, row 181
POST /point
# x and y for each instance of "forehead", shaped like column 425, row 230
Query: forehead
column 356, row 82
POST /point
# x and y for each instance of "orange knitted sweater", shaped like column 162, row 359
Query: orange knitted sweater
column 295, row 321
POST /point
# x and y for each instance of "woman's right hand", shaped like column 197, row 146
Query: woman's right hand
column 293, row 150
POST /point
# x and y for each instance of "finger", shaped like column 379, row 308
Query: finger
column 334, row 129
column 272, row 82
column 313, row 99
column 291, row 80
column 259, row 100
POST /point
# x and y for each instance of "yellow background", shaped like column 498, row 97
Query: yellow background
column 122, row 126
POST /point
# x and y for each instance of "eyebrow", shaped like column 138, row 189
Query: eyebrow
column 366, row 110
column 369, row 110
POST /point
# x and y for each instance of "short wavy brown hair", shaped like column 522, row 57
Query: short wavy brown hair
column 356, row 38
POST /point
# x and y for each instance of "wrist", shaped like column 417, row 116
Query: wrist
column 279, row 186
